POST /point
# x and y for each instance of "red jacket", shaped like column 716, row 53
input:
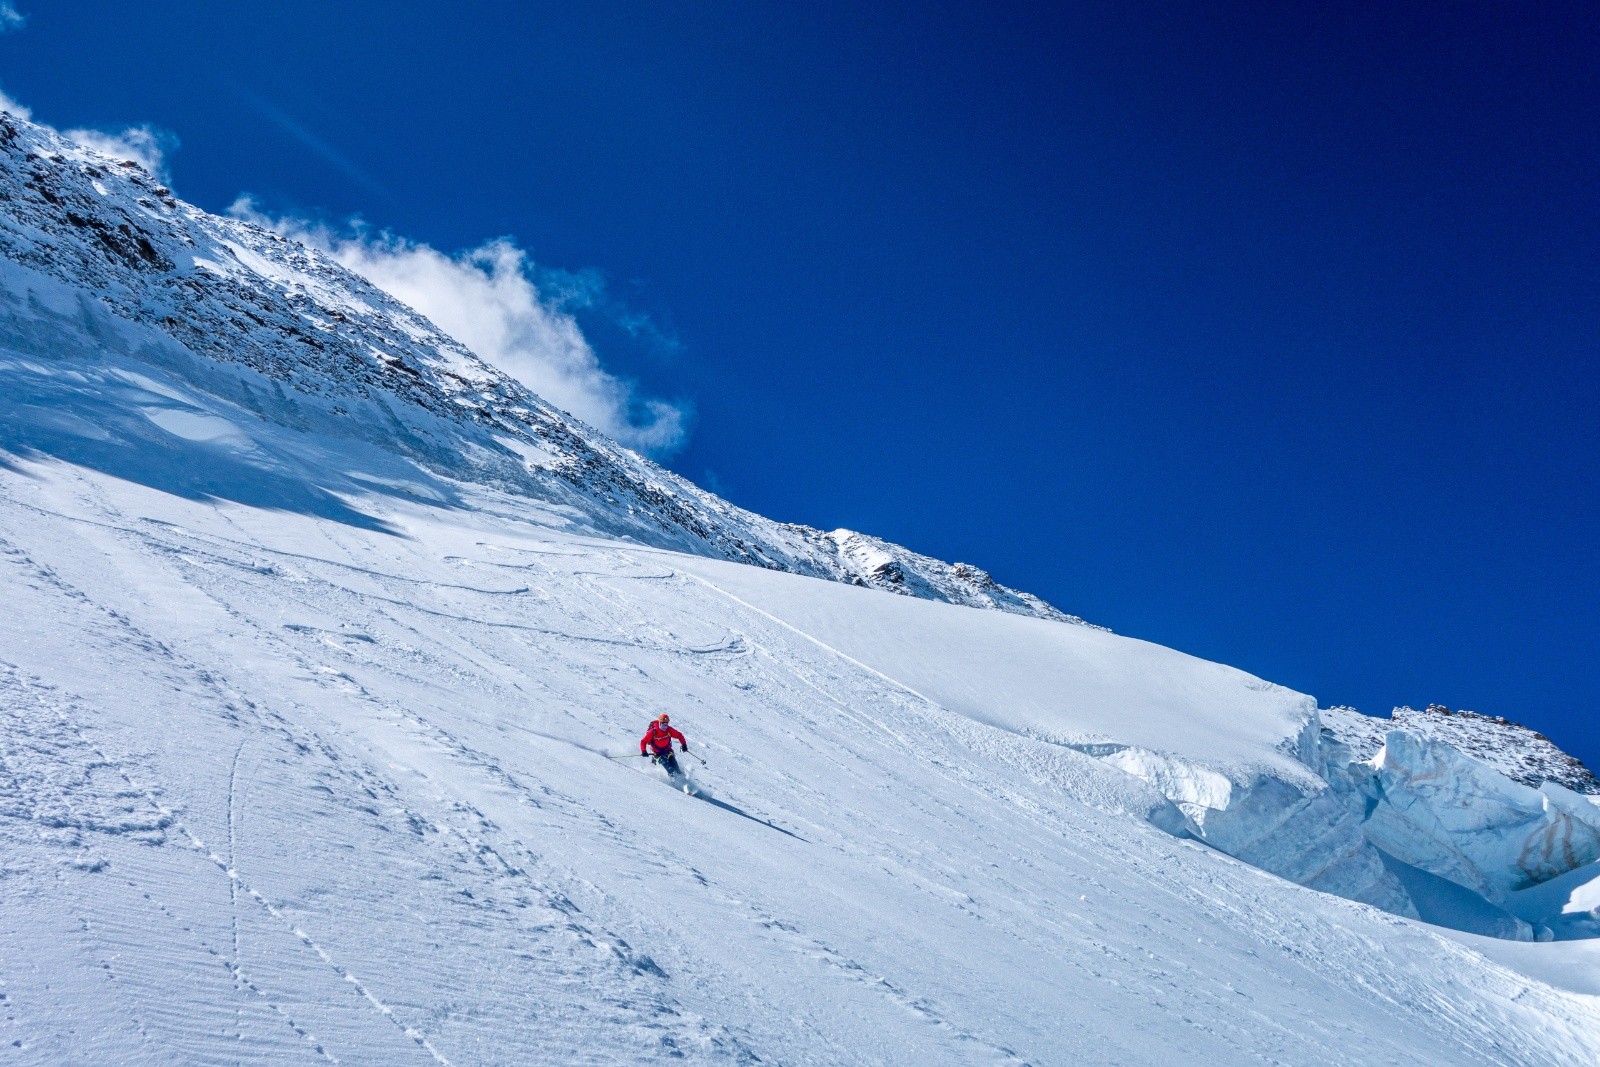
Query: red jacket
column 660, row 738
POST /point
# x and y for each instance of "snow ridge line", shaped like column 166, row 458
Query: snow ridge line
column 417, row 1036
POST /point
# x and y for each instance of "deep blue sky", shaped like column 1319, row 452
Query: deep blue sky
column 1266, row 331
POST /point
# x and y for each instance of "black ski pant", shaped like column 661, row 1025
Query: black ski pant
column 670, row 762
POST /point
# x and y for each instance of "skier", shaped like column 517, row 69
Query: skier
column 657, row 742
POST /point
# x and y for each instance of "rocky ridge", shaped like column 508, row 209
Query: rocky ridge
column 1521, row 754
column 283, row 331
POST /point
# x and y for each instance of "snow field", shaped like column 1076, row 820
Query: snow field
column 393, row 743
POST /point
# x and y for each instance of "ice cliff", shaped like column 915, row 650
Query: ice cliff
column 1435, row 808
column 1461, row 834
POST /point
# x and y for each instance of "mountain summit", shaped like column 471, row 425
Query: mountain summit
column 282, row 331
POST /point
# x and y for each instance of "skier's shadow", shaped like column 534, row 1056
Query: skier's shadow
column 725, row 806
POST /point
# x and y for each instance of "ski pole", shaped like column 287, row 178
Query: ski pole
column 629, row 755
column 696, row 755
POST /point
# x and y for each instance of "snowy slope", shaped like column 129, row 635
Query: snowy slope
column 1230, row 754
column 311, row 668
column 285, row 788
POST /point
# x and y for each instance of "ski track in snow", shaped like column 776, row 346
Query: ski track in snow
column 423, row 857
column 305, row 745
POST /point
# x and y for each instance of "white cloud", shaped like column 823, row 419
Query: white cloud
column 10, row 18
column 490, row 300
column 19, row 110
column 145, row 145
column 511, row 313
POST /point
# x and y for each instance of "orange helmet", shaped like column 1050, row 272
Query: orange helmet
column 663, row 718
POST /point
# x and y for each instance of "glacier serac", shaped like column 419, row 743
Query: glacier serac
column 1432, row 807
column 320, row 634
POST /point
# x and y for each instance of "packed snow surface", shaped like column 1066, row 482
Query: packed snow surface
column 324, row 657
column 1070, row 684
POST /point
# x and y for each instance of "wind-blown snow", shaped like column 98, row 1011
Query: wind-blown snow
column 487, row 299
column 1073, row 685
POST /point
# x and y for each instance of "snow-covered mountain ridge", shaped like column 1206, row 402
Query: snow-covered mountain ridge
column 1521, row 754
column 320, row 684
column 283, row 331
